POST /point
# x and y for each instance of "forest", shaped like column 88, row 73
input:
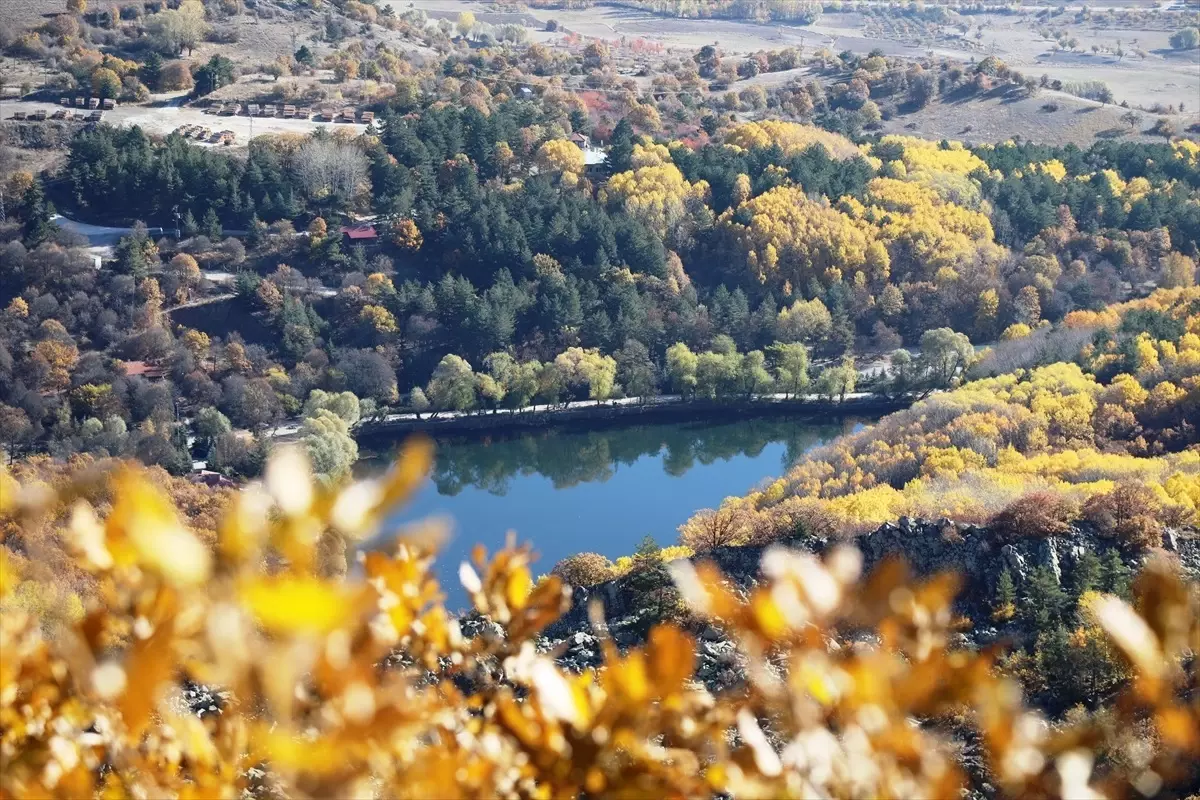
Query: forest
column 503, row 275
column 191, row 607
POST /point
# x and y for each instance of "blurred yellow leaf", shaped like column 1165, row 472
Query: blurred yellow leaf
column 150, row 665
column 144, row 517
column 410, row 470
column 291, row 604
column 8, row 574
column 520, row 584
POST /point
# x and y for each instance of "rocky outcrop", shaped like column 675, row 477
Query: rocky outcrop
column 929, row 546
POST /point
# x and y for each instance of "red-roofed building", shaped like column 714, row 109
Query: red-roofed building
column 151, row 372
column 362, row 233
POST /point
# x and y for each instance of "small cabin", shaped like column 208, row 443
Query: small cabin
column 349, row 114
column 360, row 233
column 109, row 104
column 252, row 109
column 268, row 110
column 143, row 369
column 65, row 101
column 38, row 115
column 216, row 108
column 93, row 103
column 80, row 101
column 368, row 117
column 289, row 111
column 327, row 115
column 19, row 115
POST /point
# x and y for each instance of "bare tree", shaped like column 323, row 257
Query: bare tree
column 329, row 170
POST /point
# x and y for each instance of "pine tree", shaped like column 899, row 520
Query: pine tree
column 1114, row 575
column 37, row 212
column 1045, row 600
column 1006, row 597
column 620, row 151
column 190, row 227
column 1085, row 575
column 212, row 224
column 650, row 578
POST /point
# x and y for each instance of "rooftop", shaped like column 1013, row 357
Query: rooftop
column 359, row 232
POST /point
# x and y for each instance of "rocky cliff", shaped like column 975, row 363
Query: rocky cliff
column 929, row 546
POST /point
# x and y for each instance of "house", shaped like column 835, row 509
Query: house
column 213, row 479
column 109, row 104
column 143, row 369
column 361, row 233
column 581, row 141
column 93, row 103
column 289, row 111
column 368, row 117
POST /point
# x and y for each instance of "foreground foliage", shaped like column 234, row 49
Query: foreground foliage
column 368, row 687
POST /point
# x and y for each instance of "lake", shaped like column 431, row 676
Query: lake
column 569, row 491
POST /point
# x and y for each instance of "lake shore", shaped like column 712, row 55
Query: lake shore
column 591, row 414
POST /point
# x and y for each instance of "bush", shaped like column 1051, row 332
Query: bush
column 175, row 77
column 1038, row 515
column 584, row 569
column 1185, row 39
column 1162, row 127
column 1129, row 512
column 332, row 682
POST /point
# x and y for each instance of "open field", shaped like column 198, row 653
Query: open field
column 1147, row 73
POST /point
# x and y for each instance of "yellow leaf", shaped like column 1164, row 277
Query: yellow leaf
column 520, row 584
column 671, row 655
column 291, row 604
column 144, row 517
column 8, row 574
column 150, row 666
column 411, row 468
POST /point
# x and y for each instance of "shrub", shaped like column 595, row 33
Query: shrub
column 584, row 569
column 1162, row 127
column 1130, row 512
column 1037, row 515
column 310, row 703
column 712, row 528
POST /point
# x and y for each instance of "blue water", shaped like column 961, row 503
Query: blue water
column 600, row 491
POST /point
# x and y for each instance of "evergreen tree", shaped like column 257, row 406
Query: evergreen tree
column 212, row 224
column 1052, row 655
column 1045, row 600
column 37, row 211
column 1115, row 576
column 1085, row 576
column 1006, row 596
column 620, row 151
column 190, row 227
column 151, row 70
column 254, row 232
column 651, row 580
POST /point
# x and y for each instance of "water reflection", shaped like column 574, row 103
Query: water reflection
column 569, row 458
